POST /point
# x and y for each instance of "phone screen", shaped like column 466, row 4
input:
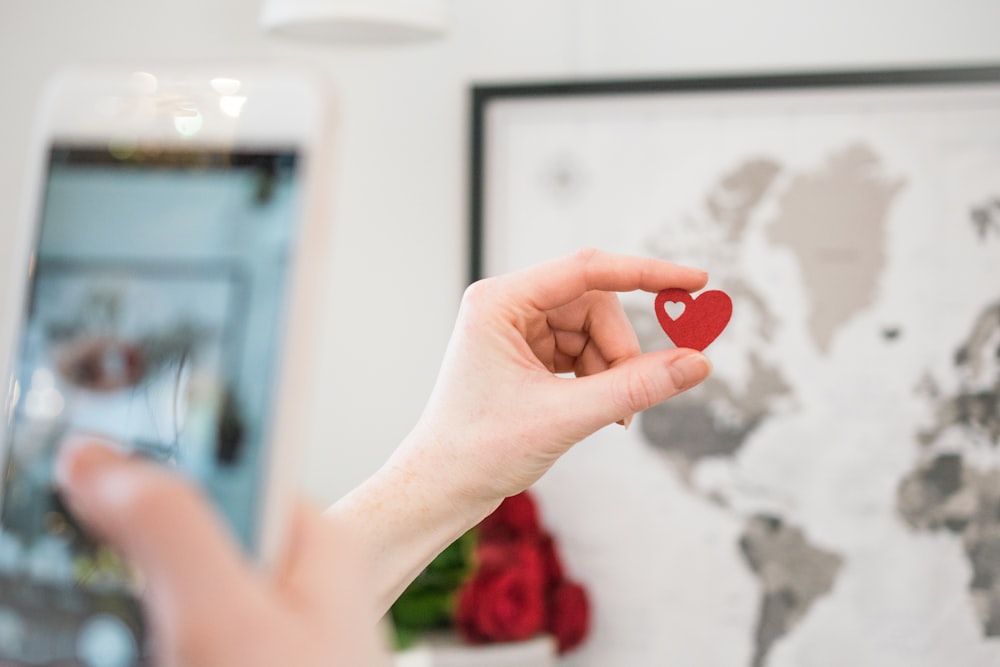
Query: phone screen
column 153, row 317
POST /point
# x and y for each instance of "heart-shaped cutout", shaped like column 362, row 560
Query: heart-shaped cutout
column 699, row 322
column 674, row 309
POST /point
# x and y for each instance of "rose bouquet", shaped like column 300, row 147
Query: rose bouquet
column 502, row 581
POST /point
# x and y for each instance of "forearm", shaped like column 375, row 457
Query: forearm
column 407, row 513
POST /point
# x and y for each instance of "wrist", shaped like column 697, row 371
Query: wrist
column 409, row 511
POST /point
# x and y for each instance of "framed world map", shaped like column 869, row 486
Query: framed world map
column 831, row 495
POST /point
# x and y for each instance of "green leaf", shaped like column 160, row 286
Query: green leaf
column 422, row 610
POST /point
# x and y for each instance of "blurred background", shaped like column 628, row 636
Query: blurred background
column 399, row 252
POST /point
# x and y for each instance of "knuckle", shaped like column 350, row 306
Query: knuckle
column 639, row 392
column 480, row 294
column 584, row 256
column 475, row 290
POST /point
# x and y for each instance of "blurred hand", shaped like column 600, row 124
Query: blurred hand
column 206, row 606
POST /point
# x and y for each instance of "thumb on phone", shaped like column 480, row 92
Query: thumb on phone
column 140, row 509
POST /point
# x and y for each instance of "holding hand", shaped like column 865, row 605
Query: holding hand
column 500, row 414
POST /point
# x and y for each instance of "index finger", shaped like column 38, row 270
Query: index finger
column 560, row 281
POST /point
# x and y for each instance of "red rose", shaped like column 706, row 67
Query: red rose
column 505, row 599
column 518, row 588
column 493, row 556
column 569, row 615
column 550, row 559
column 515, row 518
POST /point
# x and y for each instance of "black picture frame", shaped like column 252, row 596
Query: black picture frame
column 484, row 96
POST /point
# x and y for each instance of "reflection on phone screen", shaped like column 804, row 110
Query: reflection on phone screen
column 156, row 292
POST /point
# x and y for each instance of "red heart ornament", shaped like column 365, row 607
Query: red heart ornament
column 699, row 323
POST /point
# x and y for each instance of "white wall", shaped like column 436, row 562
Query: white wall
column 399, row 253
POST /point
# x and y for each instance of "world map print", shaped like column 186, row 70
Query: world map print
column 831, row 494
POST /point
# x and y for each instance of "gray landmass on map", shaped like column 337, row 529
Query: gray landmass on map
column 945, row 493
column 726, row 211
column 734, row 197
column 834, row 220
column 713, row 420
column 793, row 574
column 985, row 218
column 973, row 408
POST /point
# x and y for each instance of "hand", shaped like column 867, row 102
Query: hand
column 500, row 415
column 205, row 604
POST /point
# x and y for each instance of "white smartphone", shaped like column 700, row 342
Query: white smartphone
column 168, row 260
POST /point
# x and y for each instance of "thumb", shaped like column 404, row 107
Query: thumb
column 638, row 383
column 157, row 521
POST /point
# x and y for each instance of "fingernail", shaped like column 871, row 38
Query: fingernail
column 80, row 456
column 690, row 369
column 626, row 422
